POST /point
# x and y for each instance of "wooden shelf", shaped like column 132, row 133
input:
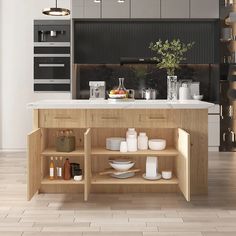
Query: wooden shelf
column 53, row 152
column 60, row 181
column 167, row 152
column 138, row 179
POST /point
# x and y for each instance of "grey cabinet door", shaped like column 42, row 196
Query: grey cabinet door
column 115, row 9
column 175, row 9
column 77, row 7
column 145, row 9
column 92, row 9
column 204, row 9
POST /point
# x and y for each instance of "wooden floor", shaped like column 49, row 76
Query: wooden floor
column 115, row 215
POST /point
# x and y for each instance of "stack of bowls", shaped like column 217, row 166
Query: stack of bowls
column 122, row 165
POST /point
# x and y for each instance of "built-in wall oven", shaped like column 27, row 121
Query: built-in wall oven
column 52, row 67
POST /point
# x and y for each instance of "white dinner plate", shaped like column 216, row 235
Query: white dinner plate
column 152, row 178
column 123, row 176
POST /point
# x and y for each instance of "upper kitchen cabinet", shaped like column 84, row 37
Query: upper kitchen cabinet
column 146, row 9
column 175, row 9
column 115, row 9
column 92, row 9
column 204, row 9
column 77, row 8
column 86, row 9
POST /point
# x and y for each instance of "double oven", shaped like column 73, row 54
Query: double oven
column 52, row 60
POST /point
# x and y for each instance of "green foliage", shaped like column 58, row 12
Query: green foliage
column 169, row 55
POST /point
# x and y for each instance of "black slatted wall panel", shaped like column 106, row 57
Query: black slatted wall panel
column 107, row 41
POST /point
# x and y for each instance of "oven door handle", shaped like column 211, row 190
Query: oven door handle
column 51, row 65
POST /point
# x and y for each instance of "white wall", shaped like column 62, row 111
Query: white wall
column 16, row 71
column 0, row 74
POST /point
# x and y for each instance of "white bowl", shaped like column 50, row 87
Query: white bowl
column 166, row 174
column 122, row 167
column 157, row 144
column 78, row 177
column 197, row 97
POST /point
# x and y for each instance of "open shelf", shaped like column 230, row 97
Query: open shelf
column 60, row 181
column 137, row 179
column 53, row 152
column 167, row 152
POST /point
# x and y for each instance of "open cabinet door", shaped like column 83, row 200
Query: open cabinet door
column 34, row 163
column 183, row 162
column 87, row 166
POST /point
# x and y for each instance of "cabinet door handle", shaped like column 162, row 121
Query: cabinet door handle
column 51, row 65
column 109, row 118
column 62, row 118
column 156, row 118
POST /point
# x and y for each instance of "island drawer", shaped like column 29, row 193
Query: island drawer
column 156, row 119
column 109, row 118
column 62, row 118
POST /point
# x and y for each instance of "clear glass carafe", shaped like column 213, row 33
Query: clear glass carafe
column 121, row 85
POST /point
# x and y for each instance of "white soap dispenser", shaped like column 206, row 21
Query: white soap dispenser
column 184, row 92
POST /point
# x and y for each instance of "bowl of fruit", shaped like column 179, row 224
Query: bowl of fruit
column 118, row 94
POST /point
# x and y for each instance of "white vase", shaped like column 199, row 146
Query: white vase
column 172, row 88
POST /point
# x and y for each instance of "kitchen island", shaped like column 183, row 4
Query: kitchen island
column 183, row 124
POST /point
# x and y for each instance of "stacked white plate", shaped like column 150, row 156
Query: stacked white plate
column 122, row 165
column 113, row 143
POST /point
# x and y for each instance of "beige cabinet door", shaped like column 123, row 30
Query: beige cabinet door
column 77, row 8
column 183, row 162
column 175, row 9
column 115, row 9
column 146, row 9
column 204, row 9
column 88, row 168
column 92, row 9
column 34, row 163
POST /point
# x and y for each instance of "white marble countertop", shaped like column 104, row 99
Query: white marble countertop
column 105, row 104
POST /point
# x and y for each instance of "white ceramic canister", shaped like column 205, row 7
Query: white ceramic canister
column 132, row 143
column 131, row 131
column 184, row 92
column 123, row 146
column 142, row 141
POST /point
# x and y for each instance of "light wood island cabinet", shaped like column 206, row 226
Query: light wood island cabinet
column 186, row 132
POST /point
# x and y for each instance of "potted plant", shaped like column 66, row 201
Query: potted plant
column 169, row 55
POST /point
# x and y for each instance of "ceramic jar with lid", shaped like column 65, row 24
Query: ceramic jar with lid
column 132, row 143
column 142, row 141
column 131, row 131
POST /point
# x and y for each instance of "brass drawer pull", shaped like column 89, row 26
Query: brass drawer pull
column 62, row 118
column 156, row 118
column 109, row 118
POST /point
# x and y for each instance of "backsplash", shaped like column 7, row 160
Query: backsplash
column 139, row 76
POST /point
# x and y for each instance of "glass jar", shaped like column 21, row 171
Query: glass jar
column 172, row 88
column 142, row 141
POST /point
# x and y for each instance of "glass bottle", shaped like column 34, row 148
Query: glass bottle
column 51, row 169
column 67, row 170
column 56, row 167
column 60, row 167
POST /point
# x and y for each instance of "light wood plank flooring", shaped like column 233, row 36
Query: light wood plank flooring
column 115, row 215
